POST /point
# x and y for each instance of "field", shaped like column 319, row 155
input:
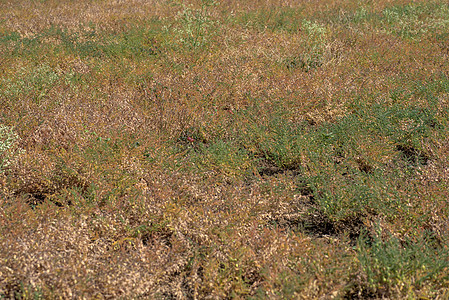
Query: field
column 224, row 150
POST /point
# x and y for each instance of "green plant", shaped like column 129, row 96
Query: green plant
column 393, row 266
column 315, row 47
column 195, row 25
column 286, row 19
column 8, row 146
column 416, row 20
column 271, row 138
column 187, row 161
column 37, row 83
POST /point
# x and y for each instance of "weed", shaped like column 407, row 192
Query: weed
column 8, row 146
column 36, row 83
column 315, row 45
column 195, row 25
column 415, row 20
column 274, row 19
column 395, row 266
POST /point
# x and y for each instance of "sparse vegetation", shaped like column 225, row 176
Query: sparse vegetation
column 224, row 149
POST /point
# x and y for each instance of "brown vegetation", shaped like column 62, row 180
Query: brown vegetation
column 231, row 149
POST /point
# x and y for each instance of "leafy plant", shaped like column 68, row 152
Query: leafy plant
column 286, row 19
column 8, row 146
column 390, row 263
column 38, row 82
column 315, row 47
column 416, row 20
column 195, row 25
column 186, row 162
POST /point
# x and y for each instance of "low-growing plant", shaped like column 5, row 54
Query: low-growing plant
column 315, row 48
column 286, row 19
column 37, row 83
column 195, row 25
column 271, row 138
column 396, row 268
column 8, row 146
column 238, row 152
column 415, row 20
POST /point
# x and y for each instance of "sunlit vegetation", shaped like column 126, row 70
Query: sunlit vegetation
column 224, row 149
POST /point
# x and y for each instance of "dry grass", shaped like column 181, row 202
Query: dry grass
column 202, row 150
